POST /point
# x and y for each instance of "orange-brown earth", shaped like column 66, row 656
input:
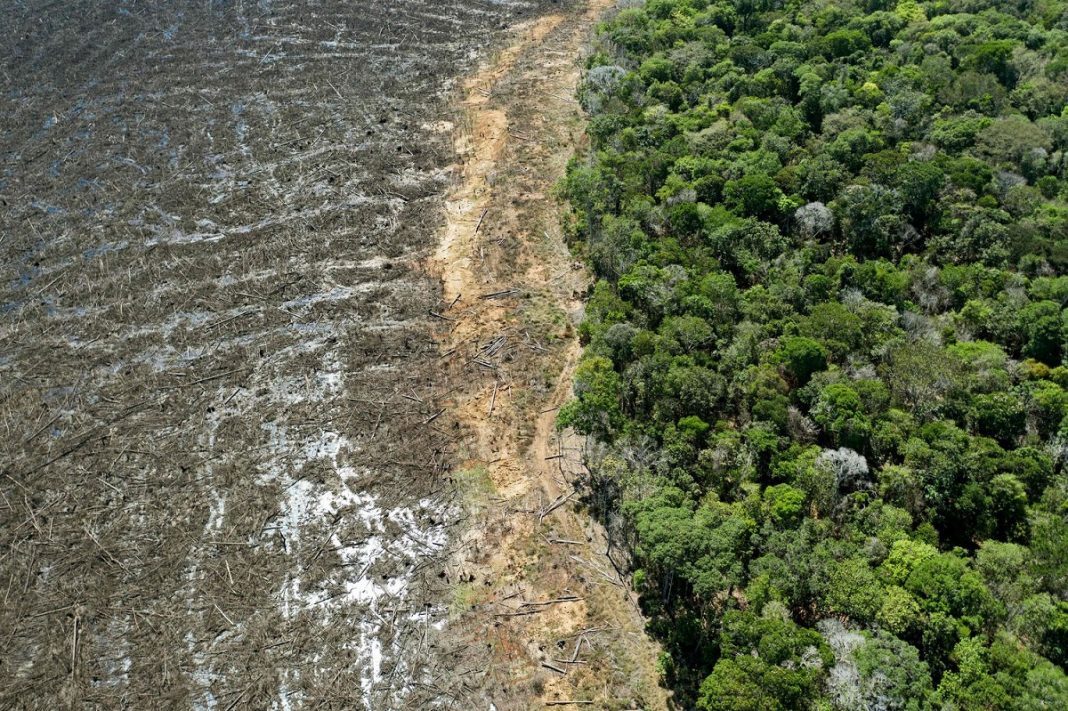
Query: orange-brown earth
column 539, row 613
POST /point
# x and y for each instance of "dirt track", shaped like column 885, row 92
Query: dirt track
column 539, row 612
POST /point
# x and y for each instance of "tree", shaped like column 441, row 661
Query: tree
column 958, row 132
column 784, row 505
column 870, row 220
column 813, row 220
column 766, row 664
column 840, row 414
column 766, row 393
column 704, row 550
column 822, row 177
column 664, row 525
column 722, row 549
column 1008, row 508
column 686, row 334
column 1004, row 567
column 905, row 556
column 835, row 326
column 852, row 589
column 1049, row 542
column 800, row 357
column 1009, row 140
column 921, row 377
column 657, row 68
column 1002, row 675
column 753, row 196
column 973, row 686
column 998, row 415
column 596, row 409
column 650, row 288
column 746, row 246
column 970, row 173
column 1041, row 623
column 902, row 487
column 946, row 584
column 993, row 58
column 614, row 248
column 1041, row 325
column 919, row 185
column 842, row 43
column 900, row 612
column 876, row 672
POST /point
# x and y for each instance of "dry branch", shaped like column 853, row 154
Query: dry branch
column 560, row 501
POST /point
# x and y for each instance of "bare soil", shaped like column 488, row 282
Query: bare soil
column 540, row 614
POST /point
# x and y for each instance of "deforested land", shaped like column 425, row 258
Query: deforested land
column 226, row 452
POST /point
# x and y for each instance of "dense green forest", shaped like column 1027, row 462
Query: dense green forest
column 824, row 374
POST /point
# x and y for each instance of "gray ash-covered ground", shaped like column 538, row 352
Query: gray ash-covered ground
column 221, row 469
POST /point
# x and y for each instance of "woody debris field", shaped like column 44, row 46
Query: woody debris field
column 285, row 318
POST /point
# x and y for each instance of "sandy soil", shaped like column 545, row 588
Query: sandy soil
column 540, row 616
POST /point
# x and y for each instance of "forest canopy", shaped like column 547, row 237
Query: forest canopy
column 825, row 352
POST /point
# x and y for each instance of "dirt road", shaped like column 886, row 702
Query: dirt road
column 539, row 613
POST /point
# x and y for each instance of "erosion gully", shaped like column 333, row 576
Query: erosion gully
column 284, row 317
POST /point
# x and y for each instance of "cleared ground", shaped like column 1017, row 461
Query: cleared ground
column 222, row 444
column 542, row 615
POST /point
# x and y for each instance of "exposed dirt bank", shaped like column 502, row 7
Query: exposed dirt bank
column 539, row 614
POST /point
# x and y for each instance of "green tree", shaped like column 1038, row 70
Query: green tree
column 870, row 220
column 800, row 357
column 596, row 409
column 1049, row 542
column 766, row 664
column 919, row 185
column 1002, row 416
column 754, row 196
column 1009, row 140
column 840, row 413
column 1002, row 675
column 993, row 58
column 892, row 676
column 1008, row 508
column 900, row 612
column 904, row 557
column 835, row 326
column 1041, row 326
column 842, row 43
column 784, row 505
column 946, row 584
